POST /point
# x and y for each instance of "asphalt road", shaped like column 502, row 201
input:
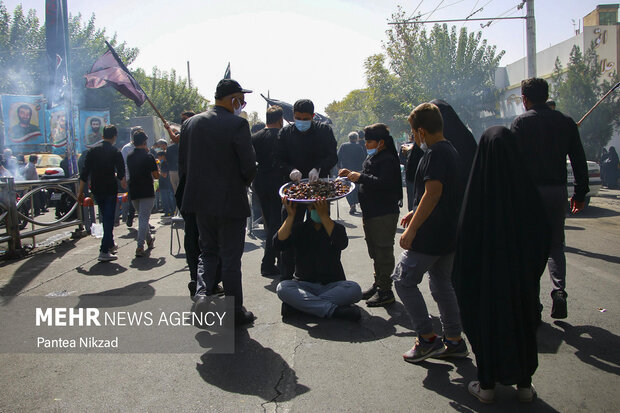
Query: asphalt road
column 308, row 364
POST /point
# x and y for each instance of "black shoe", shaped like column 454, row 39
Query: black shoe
column 352, row 210
column 346, row 312
column 288, row 310
column 218, row 290
column 269, row 271
column 243, row 316
column 201, row 305
column 151, row 227
column 369, row 292
column 191, row 286
column 129, row 223
column 559, row 304
column 381, row 298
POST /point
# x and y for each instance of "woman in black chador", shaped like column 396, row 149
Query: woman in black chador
column 459, row 136
column 501, row 254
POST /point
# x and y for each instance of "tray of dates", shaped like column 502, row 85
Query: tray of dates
column 330, row 189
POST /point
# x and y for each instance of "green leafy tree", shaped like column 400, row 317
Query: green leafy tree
column 352, row 113
column 577, row 88
column 419, row 66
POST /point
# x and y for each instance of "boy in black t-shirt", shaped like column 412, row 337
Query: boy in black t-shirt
column 429, row 240
column 142, row 170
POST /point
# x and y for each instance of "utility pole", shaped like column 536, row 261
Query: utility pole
column 530, row 24
column 189, row 80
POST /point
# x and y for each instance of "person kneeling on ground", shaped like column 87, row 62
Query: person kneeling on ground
column 319, row 286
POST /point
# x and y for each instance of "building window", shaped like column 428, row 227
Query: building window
column 608, row 18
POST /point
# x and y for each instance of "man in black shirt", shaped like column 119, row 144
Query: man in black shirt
column 142, row 170
column 319, row 286
column 306, row 149
column 429, row 240
column 218, row 161
column 267, row 183
column 545, row 137
column 351, row 156
column 104, row 165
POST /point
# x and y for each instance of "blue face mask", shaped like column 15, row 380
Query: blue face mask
column 315, row 216
column 303, row 125
column 371, row 152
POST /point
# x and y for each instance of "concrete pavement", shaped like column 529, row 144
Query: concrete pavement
column 308, row 364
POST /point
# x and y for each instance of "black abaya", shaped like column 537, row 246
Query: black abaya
column 459, row 136
column 502, row 252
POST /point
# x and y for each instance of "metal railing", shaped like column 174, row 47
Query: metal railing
column 14, row 212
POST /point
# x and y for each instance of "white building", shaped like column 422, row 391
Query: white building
column 600, row 26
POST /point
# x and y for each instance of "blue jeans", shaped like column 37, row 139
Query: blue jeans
column 143, row 207
column 409, row 272
column 107, row 208
column 318, row 299
column 167, row 200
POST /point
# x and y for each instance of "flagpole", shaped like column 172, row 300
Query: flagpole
column 598, row 103
column 120, row 62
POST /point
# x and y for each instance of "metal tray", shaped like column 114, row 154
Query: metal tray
column 308, row 201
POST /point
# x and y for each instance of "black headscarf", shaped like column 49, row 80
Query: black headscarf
column 502, row 251
column 459, row 136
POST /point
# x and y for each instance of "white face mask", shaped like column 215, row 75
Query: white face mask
column 239, row 109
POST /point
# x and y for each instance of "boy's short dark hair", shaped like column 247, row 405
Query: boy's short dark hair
column 33, row 158
column 304, row 106
column 536, row 90
column 188, row 113
column 138, row 137
column 109, row 132
column 274, row 114
column 427, row 116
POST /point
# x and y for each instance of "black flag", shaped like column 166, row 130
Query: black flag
column 287, row 111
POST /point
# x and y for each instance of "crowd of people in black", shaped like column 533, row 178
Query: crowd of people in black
column 483, row 219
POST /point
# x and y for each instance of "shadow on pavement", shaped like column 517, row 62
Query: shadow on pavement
column 595, row 346
column 252, row 370
column 595, row 212
column 569, row 228
column 132, row 233
column 147, row 263
column 250, row 247
column 370, row 328
column 275, row 280
column 438, row 380
column 609, row 258
column 130, row 294
column 549, row 339
column 32, row 267
column 102, row 268
column 345, row 223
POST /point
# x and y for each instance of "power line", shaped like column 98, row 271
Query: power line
column 458, row 20
column 435, row 9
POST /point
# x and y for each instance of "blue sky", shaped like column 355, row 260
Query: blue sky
column 297, row 48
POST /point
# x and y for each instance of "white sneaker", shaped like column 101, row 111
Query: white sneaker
column 526, row 394
column 485, row 396
column 106, row 256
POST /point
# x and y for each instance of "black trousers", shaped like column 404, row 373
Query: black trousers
column 222, row 240
column 271, row 206
column 191, row 243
